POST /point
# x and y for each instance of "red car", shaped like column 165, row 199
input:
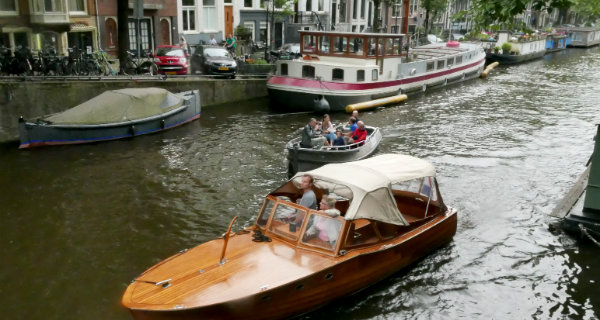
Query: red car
column 171, row 60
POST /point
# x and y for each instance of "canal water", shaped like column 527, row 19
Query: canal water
column 78, row 223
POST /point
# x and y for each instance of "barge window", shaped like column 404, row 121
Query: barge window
column 459, row 60
column 374, row 75
column 440, row 64
column 324, row 44
column 450, row 62
column 371, row 45
column 397, row 46
column 339, row 45
column 430, row 66
column 337, row 74
column 308, row 41
column 389, row 48
column 308, row 72
column 360, row 75
column 356, row 46
column 284, row 69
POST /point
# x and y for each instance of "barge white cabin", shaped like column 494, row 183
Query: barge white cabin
column 340, row 68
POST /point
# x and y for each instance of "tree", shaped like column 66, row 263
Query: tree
column 487, row 12
column 435, row 6
column 589, row 10
column 280, row 10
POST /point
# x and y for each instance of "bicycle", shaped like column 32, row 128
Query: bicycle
column 144, row 66
column 101, row 58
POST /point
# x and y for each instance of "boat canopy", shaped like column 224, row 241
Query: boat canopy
column 368, row 183
column 119, row 106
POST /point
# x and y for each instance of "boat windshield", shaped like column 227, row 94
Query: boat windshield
column 322, row 231
column 287, row 220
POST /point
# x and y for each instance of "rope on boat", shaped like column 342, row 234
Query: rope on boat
column 586, row 232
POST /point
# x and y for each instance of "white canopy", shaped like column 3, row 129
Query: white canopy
column 368, row 183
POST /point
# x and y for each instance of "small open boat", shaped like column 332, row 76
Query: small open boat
column 112, row 115
column 392, row 214
column 304, row 159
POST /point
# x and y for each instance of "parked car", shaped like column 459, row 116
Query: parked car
column 171, row 60
column 213, row 60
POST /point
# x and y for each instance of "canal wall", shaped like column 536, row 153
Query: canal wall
column 35, row 98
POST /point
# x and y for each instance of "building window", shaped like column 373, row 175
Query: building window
column 354, row 9
column 284, row 69
column 111, row 33
column 145, row 43
column 77, row 5
column 53, row 6
column 308, row 72
column 188, row 14
column 360, row 75
column 363, row 9
column 263, row 31
column 247, row 3
column 320, row 5
column 8, row 6
column 209, row 13
column 342, row 11
column 309, row 5
column 396, row 10
column 337, row 74
column 250, row 26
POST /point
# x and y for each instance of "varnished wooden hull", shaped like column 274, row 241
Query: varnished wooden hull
column 335, row 277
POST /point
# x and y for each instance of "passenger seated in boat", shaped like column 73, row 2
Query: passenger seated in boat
column 355, row 115
column 352, row 125
column 309, row 199
column 360, row 134
column 328, row 129
column 339, row 140
column 325, row 229
column 310, row 137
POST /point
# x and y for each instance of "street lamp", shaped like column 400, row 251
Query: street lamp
column 267, row 4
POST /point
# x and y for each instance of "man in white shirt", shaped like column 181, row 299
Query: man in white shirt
column 212, row 40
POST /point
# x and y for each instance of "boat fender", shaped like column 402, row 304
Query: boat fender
column 132, row 130
column 162, row 124
column 320, row 105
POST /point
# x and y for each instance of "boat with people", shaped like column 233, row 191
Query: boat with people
column 579, row 209
column 304, row 158
column 114, row 114
column 517, row 48
column 341, row 68
column 376, row 217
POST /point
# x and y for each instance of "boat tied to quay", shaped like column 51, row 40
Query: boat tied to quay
column 388, row 214
column 337, row 69
column 114, row 114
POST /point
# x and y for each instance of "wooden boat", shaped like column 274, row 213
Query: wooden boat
column 341, row 68
column 580, row 208
column 114, row 114
column 523, row 48
column 304, row 159
column 392, row 215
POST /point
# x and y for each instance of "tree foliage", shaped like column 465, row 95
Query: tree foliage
column 589, row 10
column 487, row 12
column 432, row 7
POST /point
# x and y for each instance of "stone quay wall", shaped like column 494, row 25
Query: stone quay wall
column 36, row 98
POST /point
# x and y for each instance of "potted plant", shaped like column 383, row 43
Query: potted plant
column 506, row 47
column 496, row 49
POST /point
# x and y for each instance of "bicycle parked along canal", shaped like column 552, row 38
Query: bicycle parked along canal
column 143, row 65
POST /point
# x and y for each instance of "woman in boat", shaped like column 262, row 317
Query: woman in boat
column 323, row 228
column 328, row 129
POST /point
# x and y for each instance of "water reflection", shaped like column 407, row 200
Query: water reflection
column 79, row 222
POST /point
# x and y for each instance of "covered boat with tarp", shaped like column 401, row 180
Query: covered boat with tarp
column 114, row 114
column 295, row 259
